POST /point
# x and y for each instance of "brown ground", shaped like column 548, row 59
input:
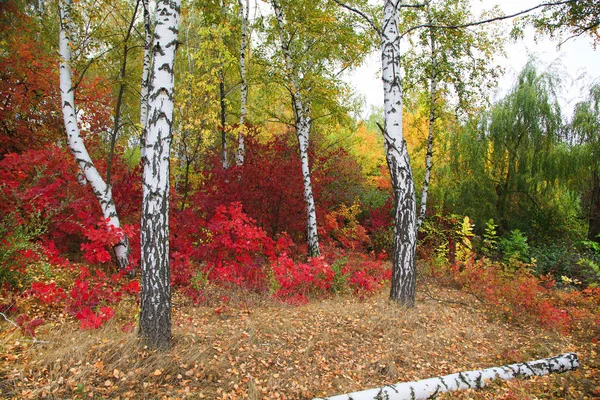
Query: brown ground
column 261, row 349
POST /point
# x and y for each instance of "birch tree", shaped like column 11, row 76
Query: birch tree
column 315, row 42
column 405, row 233
column 155, row 313
column 453, row 66
column 303, row 122
column 244, row 11
column 100, row 188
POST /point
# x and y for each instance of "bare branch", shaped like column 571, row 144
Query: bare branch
column 363, row 15
column 8, row 320
column 33, row 338
column 489, row 20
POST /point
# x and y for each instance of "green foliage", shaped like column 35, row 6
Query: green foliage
column 511, row 164
column 573, row 19
column 489, row 245
column 514, row 246
column 591, row 263
column 340, row 277
column 20, row 255
column 556, row 259
column 464, row 247
column 200, row 279
column 462, row 60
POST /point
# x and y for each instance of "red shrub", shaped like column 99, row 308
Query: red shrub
column 238, row 251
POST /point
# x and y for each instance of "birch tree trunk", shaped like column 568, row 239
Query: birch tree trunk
column 145, row 74
column 75, row 142
column 155, row 313
column 244, row 15
column 303, row 124
column 432, row 118
column 430, row 388
column 405, row 236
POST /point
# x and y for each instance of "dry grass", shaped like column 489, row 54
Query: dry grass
column 260, row 349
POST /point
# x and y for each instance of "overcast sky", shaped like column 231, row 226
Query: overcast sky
column 577, row 60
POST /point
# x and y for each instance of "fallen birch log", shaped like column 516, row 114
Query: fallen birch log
column 429, row 388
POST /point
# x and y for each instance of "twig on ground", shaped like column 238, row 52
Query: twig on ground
column 33, row 339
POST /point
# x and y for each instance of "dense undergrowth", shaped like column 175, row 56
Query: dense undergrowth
column 227, row 246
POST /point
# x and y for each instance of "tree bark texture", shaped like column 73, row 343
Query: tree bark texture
column 244, row 15
column 145, row 73
column 303, row 124
column 430, row 388
column 155, row 314
column 86, row 166
column 405, row 236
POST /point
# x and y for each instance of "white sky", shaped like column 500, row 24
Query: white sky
column 576, row 59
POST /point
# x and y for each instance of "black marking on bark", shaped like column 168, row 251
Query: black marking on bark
column 463, row 379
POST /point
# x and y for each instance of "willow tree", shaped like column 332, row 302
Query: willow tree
column 584, row 132
column 155, row 307
column 513, row 155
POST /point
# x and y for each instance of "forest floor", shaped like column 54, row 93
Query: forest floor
column 263, row 349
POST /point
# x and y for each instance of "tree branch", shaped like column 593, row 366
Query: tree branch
column 363, row 15
column 487, row 21
column 33, row 338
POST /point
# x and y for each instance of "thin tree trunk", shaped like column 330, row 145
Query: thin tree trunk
column 145, row 74
column 186, row 183
column 86, row 166
column 432, row 118
column 122, row 85
column 594, row 219
column 303, row 123
column 405, row 238
column 224, row 161
column 155, row 313
column 244, row 15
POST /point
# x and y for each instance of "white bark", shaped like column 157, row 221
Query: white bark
column 432, row 118
column 405, row 235
column 155, row 313
column 100, row 188
column 244, row 15
column 303, row 124
column 145, row 73
column 429, row 388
